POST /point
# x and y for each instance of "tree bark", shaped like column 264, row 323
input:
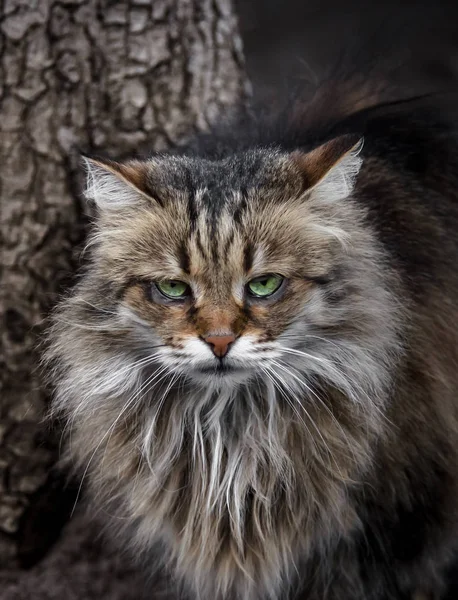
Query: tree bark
column 105, row 77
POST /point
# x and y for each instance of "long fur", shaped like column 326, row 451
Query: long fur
column 268, row 484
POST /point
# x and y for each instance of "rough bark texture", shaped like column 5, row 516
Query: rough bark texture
column 105, row 77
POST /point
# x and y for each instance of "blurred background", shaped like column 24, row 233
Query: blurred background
column 291, row 41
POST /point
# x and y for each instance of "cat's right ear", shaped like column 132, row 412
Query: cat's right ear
column 330, row 170
column 112, row 185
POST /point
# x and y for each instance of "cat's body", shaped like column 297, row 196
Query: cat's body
column 318, row 458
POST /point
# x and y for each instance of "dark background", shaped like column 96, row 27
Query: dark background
column 290, row 40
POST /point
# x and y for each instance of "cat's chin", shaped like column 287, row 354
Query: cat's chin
column 222, row 374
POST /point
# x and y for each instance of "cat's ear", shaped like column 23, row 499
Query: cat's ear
column 331, row 169
column 113, row 185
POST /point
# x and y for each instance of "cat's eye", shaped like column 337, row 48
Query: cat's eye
column 174, row 289
column 264, row 285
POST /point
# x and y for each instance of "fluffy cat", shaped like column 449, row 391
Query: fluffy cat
column 259, row 366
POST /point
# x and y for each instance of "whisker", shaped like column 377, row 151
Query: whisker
column 271, row 375
column 352, row 387
column 145, row 362
column 321, row 401
column 108, row 433
column 106, row 327
column 95, row 391
column 308, row 415
column 147, row 440
column 78, row 300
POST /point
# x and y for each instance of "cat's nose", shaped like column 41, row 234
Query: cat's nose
column 220, row 343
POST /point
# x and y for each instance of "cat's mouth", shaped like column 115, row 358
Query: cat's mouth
column 221, row 368
column 227, row 373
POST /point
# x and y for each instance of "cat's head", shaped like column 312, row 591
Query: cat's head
column 213, row 262
column 223, row 272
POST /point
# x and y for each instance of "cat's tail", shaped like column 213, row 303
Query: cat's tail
column 346, row 99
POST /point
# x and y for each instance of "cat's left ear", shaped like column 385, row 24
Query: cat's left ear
column 114, row 185
column 331, row 169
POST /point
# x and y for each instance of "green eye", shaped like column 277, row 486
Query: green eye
column 176, row 290
column 265, row 285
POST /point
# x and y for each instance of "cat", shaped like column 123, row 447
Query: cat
column 258, row 368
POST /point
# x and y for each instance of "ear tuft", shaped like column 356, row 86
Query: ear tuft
column 113, row 185
column 331, row 169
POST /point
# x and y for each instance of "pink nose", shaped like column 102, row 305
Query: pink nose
column 220, row 343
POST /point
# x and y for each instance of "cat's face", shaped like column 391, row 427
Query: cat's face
column 213, row 263
column 221, row 293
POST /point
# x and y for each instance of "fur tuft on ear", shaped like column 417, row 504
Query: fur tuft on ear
column 113, row 185
column 331, row 169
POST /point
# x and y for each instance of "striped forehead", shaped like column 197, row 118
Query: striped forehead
column 219, row 187
column 215, row 236
column 216, row 198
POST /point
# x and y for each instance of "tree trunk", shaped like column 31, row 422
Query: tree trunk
column 104, row 77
